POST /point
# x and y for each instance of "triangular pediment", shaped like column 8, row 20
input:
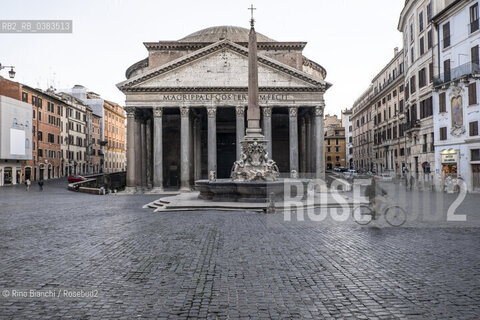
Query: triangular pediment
column 223, row 64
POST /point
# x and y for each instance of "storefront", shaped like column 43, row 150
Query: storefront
column 449, row 162
column 7, row 175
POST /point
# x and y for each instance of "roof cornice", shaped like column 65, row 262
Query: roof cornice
column 221, row 89
column 177, row 45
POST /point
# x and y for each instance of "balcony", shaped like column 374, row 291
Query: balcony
column 415, row 124
column 456, row 73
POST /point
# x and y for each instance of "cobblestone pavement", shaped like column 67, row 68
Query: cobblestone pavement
column 228, row 264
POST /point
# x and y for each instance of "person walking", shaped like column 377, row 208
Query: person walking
column 27, row 184
column 412, row 182
column 40, row 184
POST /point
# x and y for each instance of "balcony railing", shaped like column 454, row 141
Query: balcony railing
column 412, row 125
column 455, row 73
column 473, row 26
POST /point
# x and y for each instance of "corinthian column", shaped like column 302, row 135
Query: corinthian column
column 293, row 126
column 320, row 142
column 157, row 149
column 130, row 149
column 144, row 153
column 212, row 139
column 303, row 145
column 138, row 149
column 240, row 116
column 267, row 128
column 184, row 149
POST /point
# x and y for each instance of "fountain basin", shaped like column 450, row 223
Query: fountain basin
column 227, row 190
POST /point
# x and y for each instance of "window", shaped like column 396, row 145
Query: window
column 442, row 107
column 401, row 106
column 473, row 128
column 412, row 53
column 474, row 18
column 422, row 46
column 40, row 136
column 24, row 97
column 446, row 35
column 446, row 69
column 443, row 133
column 51, row 138
column 475, row 155
column 475, row 58
column 329, row 158
column 40, row 152
column 412, row 84
column 420, row 21
column 426, row 108
column 472, row 93
column 422, row 75
column 411, row 32
column 429, row 39
column 39, row 116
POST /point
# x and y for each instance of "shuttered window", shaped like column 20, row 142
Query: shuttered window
column 443, row 133
column 442, row 102
column 472, row 93
column 446, row 35
column 473, row 126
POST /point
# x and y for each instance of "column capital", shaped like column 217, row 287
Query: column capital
column 212, row 112
column 319, row 111
column 267, row 111
column 184, row 112
column 130, row 112
column 240, row 111
column 158, row 112
column 293, row 111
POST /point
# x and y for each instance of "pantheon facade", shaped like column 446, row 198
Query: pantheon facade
column 186, row 108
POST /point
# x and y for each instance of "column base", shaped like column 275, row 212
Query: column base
column 130, row 190
column 156, row 190
column 185, row 189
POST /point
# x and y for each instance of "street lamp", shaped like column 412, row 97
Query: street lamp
column 11, row 73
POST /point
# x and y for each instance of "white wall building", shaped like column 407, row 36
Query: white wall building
column 347, row 124
column 456, row 103
column 15, row 138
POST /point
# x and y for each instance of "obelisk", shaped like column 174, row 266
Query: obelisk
column 254, row 164
column 253, row 112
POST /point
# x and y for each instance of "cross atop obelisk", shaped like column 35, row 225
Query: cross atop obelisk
column 253, row 111
column 251, row 9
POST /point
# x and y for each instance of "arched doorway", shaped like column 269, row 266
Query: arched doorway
column 28, row 173
column 49, row 172
column 41, row 174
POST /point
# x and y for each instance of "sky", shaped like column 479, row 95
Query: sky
column 352, row 39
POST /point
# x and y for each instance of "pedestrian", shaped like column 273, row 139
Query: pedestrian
column 412, row 182
column 40, row 184
column 27, row 184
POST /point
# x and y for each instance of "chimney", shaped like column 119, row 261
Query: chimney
column 395, row 51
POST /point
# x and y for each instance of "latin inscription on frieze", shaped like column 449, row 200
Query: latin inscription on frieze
column 219, row 97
